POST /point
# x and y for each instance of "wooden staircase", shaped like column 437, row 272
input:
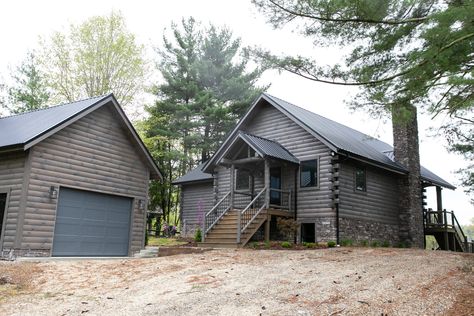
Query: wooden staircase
column 224, row 233
column 445, row 228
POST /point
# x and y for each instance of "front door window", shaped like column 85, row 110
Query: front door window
column 275, row 183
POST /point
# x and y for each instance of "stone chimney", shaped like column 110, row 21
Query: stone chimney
column 407, row 153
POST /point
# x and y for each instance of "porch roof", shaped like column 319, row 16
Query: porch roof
column 268, row 148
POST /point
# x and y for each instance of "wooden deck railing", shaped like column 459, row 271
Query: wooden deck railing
column 285, row 199
column 447, row 221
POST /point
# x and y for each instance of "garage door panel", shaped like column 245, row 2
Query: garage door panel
column 91, row 224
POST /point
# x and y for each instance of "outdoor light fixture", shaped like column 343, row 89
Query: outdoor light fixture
column 141, row 205
column 53, row 192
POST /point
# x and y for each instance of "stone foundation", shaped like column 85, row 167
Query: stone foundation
column 370, row 231
column 325, row 229
column 11, row 254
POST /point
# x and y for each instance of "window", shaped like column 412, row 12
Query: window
column 309, row 173
column 360, row 180
column 242, row 181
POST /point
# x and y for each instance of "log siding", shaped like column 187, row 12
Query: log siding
column 198, row 198
column 378, row 203
column 270, row 123
column 96, row 154
column 12, row 170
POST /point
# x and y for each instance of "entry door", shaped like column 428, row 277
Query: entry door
column 275, row 183
column 3, row 204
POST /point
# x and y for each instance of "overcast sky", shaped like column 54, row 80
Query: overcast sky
column 22, row 22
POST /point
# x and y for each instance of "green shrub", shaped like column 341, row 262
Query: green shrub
column 286, row 244
column 346, row 242
column 198, row 235
column 146, row 237
column 254, row 245
column 364, row 243
column 309, row 244
column 402, row 245
column 386, row 244
column 331, row 244
column 267, row 244
column 374, row 244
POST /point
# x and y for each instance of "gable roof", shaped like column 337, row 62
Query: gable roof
column 22, row 131
column 266, row 147
column 194, row 175
column 338, row 137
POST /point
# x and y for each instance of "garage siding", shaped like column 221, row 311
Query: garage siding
column 11, row 179
column 94, row 153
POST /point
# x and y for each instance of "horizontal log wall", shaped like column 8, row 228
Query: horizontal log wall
column 12, row 167
column 379, row 203
column 94, row 153
column 270, row 123
column 198, row 199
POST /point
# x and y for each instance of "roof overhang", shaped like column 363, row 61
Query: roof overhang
column 155, row 172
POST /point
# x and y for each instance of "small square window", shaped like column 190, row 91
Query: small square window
column 242, row 181
column 309, row 173
column 360, row 180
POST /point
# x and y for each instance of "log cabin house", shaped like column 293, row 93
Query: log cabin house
column 281, row 160
column 73, row 181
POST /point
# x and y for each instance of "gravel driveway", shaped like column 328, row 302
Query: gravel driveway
column 344, row 281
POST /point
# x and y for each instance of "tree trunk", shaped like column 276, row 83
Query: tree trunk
column 406, row 152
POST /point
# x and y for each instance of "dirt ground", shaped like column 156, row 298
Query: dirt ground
column 343, row 281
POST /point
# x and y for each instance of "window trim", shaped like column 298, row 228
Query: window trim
column 316, row 186
column 357, row 168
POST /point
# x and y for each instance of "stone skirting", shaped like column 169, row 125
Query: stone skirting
column 14, row 253
column 370, row 231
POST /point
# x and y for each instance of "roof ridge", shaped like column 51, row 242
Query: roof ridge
column 55, row 106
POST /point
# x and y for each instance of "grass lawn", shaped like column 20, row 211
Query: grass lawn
column 162, row 241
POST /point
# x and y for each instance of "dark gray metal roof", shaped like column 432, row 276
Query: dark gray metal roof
column 338, row 137
column 19, row 132
column 350, row 140
column 268, row 147
column 19, row 129
column 194, row 175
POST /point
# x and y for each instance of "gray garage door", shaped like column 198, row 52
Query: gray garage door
column 91, row 224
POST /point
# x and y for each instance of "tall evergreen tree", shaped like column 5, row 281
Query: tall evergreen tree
column 29, row 90
column 206, row 87
column 403, row 54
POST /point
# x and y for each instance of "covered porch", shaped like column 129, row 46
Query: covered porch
column 263, row 177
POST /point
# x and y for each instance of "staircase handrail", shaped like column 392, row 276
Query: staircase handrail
column 213, row 210
column 242, row 226
column 218, row 203
column 459, row 230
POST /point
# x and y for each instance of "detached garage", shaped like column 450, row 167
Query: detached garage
column 73, row 181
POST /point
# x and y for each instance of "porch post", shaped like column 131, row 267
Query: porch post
column 267, row 183
column 267, row 228
column 439, row 204
column 232, row 181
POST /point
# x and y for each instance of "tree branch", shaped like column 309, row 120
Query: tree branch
column 358, row 20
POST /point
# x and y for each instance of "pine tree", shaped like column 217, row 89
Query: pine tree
column 206, row 87
column 29, row 90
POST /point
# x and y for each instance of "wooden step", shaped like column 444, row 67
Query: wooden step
column 218, row 245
